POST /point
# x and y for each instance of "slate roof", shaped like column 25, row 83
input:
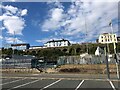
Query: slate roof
column 57, row 40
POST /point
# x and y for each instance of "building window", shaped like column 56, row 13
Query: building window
column 106, row 40
column 110, row 36
column 60, row 44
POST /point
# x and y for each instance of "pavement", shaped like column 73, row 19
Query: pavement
column 62, row 82
column 59, row 76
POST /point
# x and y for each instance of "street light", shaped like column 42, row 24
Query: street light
column 117, row 63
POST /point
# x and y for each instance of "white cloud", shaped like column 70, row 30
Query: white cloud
column 99, row 0
column 10, row 9
column 24, row 12
column 14, row 24
column 53, row 21
column 71, row 22
column 97, row 19
column 2, row 28
column 1, row 37
column 9, row 0
column 57, row 14
column 44, row 40
column 13, row 19
column 13, row 0
column 13, row 40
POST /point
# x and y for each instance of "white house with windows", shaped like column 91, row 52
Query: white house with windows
column 107, row 38
column 57, row 43
column 22, row 46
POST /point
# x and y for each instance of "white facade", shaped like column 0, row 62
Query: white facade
column 107, row 38
column 99, row 51
column 57, row 43
column 35, row 47
column 20, row 46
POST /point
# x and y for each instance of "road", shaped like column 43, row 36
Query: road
column 50, row 83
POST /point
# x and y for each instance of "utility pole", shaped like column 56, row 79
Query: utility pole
column 108, row 48
column 106, row 57
column 115, row 53
column 13, row 49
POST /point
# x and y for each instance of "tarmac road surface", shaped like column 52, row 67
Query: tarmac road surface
column 60, row 82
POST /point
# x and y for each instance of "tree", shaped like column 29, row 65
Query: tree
column 33, row 53
column 71, row 51
column 78, row 50
column 8, row 51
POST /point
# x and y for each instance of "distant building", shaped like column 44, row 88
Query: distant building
column 57, row 43
column 35, row 47
column 20, row 46
column 107, row 38
column 118, row 39
column 99, row 51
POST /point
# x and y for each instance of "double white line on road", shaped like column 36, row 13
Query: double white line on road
column 51, row 84
column 79, row 84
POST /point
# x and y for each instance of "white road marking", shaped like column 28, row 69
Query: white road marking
column 112, row 85
column 80, row 84
column 24, row 84
column 51, row 84
column 12, row 81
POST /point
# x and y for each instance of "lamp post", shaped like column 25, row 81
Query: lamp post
column 86, row 35
column 115, row 53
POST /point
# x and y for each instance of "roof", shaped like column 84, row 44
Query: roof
column 105, row 33
column 36, row 46
column 57, row 40
column 22, row 44
column 108, row 34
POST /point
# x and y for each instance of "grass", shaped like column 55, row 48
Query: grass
column 88, row 69
column 71, row 68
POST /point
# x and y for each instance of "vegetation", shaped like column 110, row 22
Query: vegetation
column 54, row 53
column 87, row 69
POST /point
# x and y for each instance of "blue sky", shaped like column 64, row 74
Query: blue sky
column 37, row 22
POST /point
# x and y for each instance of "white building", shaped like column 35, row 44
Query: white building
column 35, row 47
column 22, row 46
column 57, row 43
column 107, row 38
column 99, row 51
